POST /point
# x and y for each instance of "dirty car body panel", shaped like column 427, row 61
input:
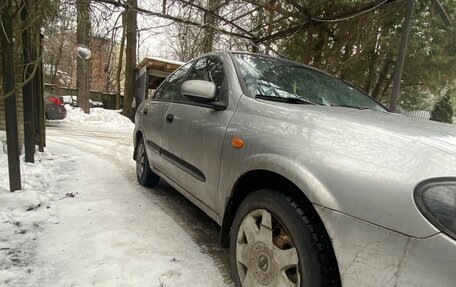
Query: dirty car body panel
column 359, row 167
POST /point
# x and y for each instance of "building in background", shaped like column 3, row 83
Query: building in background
column 60, row 62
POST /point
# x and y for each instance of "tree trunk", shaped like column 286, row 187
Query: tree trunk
column 371, row 71
column 83, row 30
column 111, row 72
column 57, row 61
column 319, row 46
column 309, row 38
column 120, row 63
column 130, row 59
column 210, row 21
column 382, row 78
column 389, row 81
column 344, row 68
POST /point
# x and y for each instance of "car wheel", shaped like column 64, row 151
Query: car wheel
column 146, row 177
column 273, row 243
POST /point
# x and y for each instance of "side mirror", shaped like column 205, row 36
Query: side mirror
column 198, row 90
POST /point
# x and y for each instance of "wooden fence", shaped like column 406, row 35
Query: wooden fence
column 420, row 114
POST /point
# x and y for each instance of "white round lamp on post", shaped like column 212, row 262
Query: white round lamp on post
column 83, row 51
column 82, row 84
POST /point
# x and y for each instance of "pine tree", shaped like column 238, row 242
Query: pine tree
column 443, row 110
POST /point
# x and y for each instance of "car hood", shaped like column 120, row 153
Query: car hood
column 431, row 133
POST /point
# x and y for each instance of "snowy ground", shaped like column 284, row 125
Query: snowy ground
column 82, row 219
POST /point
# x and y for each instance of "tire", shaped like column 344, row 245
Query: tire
column 146, row 177
column 273, row 243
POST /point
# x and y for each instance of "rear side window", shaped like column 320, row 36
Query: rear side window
column 208, row 69
column 169, row 91
column 160, row 90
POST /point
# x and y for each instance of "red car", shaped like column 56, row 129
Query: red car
column 54, row 108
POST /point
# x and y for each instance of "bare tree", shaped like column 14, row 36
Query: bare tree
column 120, row 62
column 211, row 21
column 83, row 71
column 130, row 58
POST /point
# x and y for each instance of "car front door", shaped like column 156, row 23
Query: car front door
column 197, row 133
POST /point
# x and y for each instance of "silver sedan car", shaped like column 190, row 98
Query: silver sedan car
column 313, row 182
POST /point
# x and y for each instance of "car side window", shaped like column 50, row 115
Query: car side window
column 170, row 91
column 208, row 69
column 160, row 90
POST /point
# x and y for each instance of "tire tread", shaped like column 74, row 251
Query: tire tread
column 149, row 178
column 329, row 270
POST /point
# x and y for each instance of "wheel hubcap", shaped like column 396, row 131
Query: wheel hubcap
column 140, row 163
column 264, row 269
column 263, row 263
column 265, row 252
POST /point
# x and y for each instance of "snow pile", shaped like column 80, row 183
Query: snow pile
column 24, row 213
column 99, row 118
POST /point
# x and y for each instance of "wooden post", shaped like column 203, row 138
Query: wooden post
column 6, row 38
column 27, row 89
column 40, row 120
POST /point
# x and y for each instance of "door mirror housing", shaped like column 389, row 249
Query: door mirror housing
column 198, row 90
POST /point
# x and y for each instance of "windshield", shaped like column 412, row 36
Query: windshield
column 272, row 77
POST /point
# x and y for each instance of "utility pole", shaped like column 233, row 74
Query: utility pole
column 6, row 40
column 404, row 40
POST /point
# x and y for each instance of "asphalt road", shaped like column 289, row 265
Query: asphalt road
column 117, row 148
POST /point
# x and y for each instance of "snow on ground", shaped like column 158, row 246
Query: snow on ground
column 23, row 214
column 98, row 118
column 80, row 221
column 2, row 142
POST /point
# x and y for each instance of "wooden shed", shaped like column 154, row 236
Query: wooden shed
column 151, row 72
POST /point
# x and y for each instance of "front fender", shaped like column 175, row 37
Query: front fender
column 298, row 174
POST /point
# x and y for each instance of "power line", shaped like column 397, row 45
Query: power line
column 348, row 17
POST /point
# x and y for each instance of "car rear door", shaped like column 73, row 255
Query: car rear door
column 196, row 134
column 154, row 117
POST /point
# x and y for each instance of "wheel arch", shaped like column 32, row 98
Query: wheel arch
column 264, row 179
column 253, row 180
